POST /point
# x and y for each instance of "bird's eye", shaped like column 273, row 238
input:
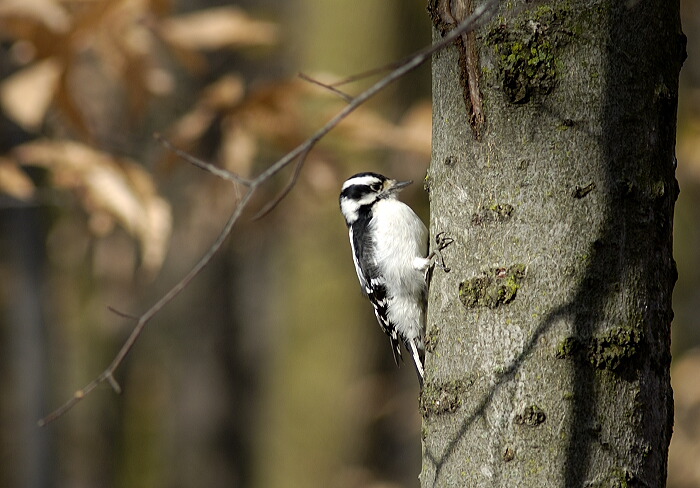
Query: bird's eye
column 376, row 186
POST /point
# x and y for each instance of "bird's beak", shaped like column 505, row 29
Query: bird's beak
column 397, row 186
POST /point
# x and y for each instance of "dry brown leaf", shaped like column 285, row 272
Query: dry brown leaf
column 217, row 28
column 27, row 94
column 160, row 82
column 271, row 117
column 117, row 35
column 134, row 76
column 238, row 149
column 14, row 181
column 191, row 126
column 109, row 188
column 368, row 129
column 220, row 96
column 155, row 235
column 224, row 93
column 50, row 13
column 72, row 111
column 275, row 112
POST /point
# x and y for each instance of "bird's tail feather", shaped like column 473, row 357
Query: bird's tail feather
column 417, row 354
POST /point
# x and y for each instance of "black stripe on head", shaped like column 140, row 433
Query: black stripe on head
column 363, row 180
column 358, row 193
column 355, row 192
column 361, row 184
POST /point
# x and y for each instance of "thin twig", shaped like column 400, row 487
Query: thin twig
column 330, row 88
column 121, row 314
column 113, row 383
column 108, row 374
column 221, row 173
column 480, row 16
column 290, row 184
column 370, row 72
column 470, row 24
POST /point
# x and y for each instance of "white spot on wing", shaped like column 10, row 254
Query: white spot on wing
column 358, row 270
column 416, row 358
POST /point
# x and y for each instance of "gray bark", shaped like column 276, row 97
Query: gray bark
column 549, row 339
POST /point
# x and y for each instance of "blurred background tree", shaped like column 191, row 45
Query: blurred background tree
column 269, row 370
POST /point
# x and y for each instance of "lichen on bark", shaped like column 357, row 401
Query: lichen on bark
column 526, row 52
column 492, row 288
column 442, row 398
column 580, row 103
column 613, row 350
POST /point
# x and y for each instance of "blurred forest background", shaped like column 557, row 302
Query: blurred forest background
column 269, row 370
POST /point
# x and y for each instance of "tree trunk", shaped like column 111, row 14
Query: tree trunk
column 549, row 340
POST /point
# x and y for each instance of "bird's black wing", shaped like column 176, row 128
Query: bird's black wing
column 373, row 284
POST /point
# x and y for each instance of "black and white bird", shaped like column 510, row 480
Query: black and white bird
column 389, row 247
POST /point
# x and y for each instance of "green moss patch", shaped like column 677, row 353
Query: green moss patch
column 496, row 287
column 432, row 338
column 612, row 350
column 615, row 347
column 498, row 212
column 526, row 52
column 442, row 398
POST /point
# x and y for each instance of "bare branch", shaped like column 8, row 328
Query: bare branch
column 113, row 383
column 107, row 374
column 368, row 73
column 470, row 24
column 292, row 181
column 215, row 170
column 480, row 16
column 330, row 88
column 121, row 314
